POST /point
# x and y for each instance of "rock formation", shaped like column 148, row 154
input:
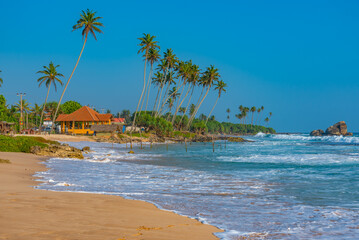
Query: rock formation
column 62, row 151
column 338, row 129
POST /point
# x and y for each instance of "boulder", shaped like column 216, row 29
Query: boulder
column 316, row 133
column 61, row 151
column 86, row 149
column 340, row 128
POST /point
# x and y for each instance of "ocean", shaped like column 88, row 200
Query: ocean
column 277, row 187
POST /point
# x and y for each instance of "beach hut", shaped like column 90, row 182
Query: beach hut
column 6, row 127
column 80, row 121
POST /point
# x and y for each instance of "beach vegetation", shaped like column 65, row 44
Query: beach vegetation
column 20, row 143
column 70, row 107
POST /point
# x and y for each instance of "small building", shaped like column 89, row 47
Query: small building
column 80, row 121
column 118, row 121
column 47, row 122
column 6, row 127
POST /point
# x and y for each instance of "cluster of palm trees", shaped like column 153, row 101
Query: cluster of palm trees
column 175, row 82
column 250, row 113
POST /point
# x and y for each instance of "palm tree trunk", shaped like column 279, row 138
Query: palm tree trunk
column 194, row 112
column 189, row 101
column 149, row 87
column 154, row 106
column 144, row 97
column 43, row 109
column 68, row 81
column 162, row 104
column 179, row 103
column 143, row 89
column 212, row 110
column 171, row 95
column 252, row 119
column 162, row 86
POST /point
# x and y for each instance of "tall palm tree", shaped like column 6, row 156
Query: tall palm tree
column 220, row 86
column 36, row 111
column 153, row 56
column 228, row 112
column 258, row 111
column 170, row 62
column 209, row 76
column 89, row 23
column 1, row 81
column 50, row 77
column 193, row 80
column 253, row 109
column 266, row 120
column 157, row 81
column 146, row 42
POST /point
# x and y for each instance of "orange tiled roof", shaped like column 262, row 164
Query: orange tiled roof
column 84, row 114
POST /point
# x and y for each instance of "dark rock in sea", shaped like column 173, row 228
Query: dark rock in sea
column 338, row 129
column 86, row 149
column 318, row 132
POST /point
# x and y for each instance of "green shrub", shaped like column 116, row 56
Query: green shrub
column 20, row 144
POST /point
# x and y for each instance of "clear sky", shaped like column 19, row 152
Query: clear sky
column 299, row 59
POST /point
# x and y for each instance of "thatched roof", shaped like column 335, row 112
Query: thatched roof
column 105, row 128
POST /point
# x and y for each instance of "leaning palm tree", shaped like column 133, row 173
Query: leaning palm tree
column 50, row 77
column 209, row 76
column 147, row 42
column 89, row 23
column 220, row 86
column 253, row 109
column 1, row 81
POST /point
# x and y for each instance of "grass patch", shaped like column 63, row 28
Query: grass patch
column 21, row 143
column 184, row 134
column 144, row 135
column 4, row 161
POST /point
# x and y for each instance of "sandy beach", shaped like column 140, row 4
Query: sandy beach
column 28, row 213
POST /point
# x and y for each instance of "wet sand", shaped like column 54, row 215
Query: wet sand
column 28, row 213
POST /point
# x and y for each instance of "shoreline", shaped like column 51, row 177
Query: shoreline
column 30, row 213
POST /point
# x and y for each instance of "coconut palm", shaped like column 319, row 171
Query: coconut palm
column 192, row 108
column 253, row 109
column 184, row 71
column 195, row 71
column 258, row 113
column 153, row 56
column 89, row 23
column 169, row 80
column 228, row 112
column 146, row 42
column 266, row 120
column 220, row 86
column 170, row 60
column 170, row 105
column 50, row 77
column 36, row 110
column 208, row 77
column 182, row 110
column 1, row 81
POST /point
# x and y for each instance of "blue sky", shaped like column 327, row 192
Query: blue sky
column 299, row 59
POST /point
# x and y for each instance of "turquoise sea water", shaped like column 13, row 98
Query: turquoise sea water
column 277, row 187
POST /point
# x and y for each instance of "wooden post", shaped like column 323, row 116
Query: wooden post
column 213, row 144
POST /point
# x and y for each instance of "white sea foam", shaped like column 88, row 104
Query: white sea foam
column 306, row 137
